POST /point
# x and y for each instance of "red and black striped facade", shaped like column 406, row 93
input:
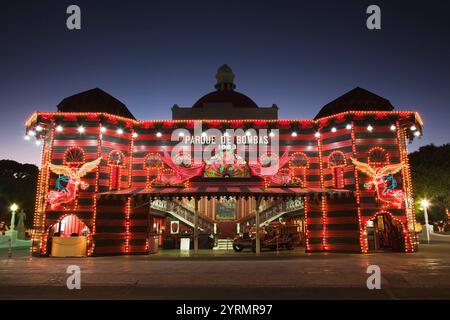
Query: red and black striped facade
column 119, row 226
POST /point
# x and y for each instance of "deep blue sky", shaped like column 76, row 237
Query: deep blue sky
column 153, row 54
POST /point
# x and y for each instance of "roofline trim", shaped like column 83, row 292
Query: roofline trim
column 35, row 114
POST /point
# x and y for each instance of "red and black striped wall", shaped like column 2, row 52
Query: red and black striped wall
column 341, row 217
column 333, row 224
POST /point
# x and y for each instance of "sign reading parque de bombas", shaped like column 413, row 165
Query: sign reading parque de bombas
column 225, row 140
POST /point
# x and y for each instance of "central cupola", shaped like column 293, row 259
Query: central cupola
column 225, row 79
column 224, row 103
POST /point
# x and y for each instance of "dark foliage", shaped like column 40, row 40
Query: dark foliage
column 17, row 184
column 430, row 168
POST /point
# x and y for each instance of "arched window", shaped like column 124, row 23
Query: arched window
column 183, row 159
column 378, row 157
column 153, row 165
column 74, row 156
column 298, row 163
column 269, row 159
column 116, row 158
column 336, row 161
column 116, row 161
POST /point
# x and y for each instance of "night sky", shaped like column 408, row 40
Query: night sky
column 153, row 54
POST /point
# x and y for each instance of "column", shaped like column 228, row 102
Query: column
column 196, row 226
column 258, row 238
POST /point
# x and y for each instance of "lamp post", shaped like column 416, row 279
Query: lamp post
column 13, row 209
column 425, row 204
column 12, row 237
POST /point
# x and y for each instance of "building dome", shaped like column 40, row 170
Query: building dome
column 358, row 99
column 94, row 100
column 225, row 94
column 233, row 98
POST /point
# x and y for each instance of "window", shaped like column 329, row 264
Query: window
column 378, row 157
column 116, row 161
column 269, row 159
column 298, row 163
column 153, row 165
column 116, row 158
column 74, row 156
column 183, row 159
column 336, row 161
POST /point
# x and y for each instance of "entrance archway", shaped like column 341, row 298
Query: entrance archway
column 385, row 233
column 69, row 237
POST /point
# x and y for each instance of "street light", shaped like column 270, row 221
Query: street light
column 13, row 208
column 425, row 204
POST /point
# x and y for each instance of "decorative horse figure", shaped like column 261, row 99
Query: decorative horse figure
column 383, row 181
column 68, row 193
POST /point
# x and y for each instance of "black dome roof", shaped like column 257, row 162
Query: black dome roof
column 236, row 99
column 225, row 94
column 358, row 99
column 94, row 100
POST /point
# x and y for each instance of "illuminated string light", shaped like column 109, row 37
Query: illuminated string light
column 307, row 245
column 407, row 188
column 393, row 127
column 413, row 128
column 59, row 128
column 31, row 133
column 317, row 134
column 159, row 134
column 417, row 133
column 333, row 129
column 404, row 113
column 348, row 126
column 272, row 134
column 38, row 142
column 324, row 198
column 26, row 137
column 39, row 128
column 369, row 128
column 294, row 134
column 127, row 225
column 102, row 129
column 81, row 129
column 120, row 131
column 134, row 135
column 362, row 235
column 137, row 123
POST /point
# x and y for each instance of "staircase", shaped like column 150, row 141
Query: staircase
column 224, row 244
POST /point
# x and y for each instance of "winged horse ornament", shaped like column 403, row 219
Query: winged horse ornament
column 74, row 175
column 383, row 181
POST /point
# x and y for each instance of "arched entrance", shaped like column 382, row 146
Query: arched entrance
column 69, row 237
column 385, row 233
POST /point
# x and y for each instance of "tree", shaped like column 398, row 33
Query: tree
column 17, row 184
column 430, row 170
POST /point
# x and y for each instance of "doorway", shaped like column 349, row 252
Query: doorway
column 68, row 238
column 385, row 234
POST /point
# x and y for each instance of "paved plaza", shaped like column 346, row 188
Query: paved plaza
column 227, row 275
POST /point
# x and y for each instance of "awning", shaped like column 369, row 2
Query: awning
column 210, row 189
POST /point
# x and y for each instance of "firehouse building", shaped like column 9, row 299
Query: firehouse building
column 113, row 184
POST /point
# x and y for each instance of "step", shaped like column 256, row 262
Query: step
column 224, row 244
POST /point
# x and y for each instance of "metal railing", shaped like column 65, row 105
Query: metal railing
column 182, row 213
column 273, row 212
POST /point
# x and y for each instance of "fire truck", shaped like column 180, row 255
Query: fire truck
column 273, row 236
